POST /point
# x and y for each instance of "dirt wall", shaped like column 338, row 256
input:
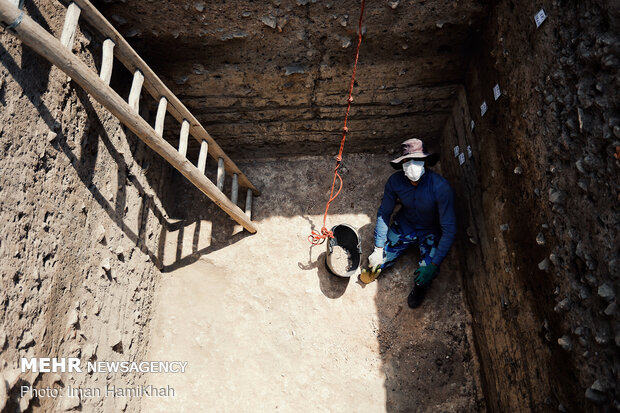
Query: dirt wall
column 539, row 205
column 270, row 78
column 81, row 219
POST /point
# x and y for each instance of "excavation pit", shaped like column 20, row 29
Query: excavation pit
column 108, row 253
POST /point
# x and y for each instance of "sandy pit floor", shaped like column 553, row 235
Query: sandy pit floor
column 265, row 327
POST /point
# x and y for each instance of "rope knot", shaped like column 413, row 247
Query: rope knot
column 318, row 238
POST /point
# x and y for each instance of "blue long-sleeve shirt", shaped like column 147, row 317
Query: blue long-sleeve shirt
column 427, row 208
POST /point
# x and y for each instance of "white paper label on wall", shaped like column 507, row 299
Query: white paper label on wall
column 540, row 17
column 456, row 151
column 469, row 151
column 472, row 124
column 461, row 159
column 496, row 92
column 483, row 108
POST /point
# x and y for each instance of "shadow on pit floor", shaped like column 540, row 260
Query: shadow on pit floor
column 425, row 354
column 36, row 71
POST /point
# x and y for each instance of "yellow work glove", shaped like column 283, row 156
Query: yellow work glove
column 375, row 261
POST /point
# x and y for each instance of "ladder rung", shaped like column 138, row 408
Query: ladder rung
column 183, row 138
column 126, row 55
column 70, row 27
column 107, row 60
column 202, row 158
column 234, row 193
column 49, row 47
column 221, row 174
column 248, row 204
column 136, row 89
column 161, row 116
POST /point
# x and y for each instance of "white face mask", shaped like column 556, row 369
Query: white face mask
column 414, row 170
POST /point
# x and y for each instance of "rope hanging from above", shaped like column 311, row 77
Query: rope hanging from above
column 315, row 237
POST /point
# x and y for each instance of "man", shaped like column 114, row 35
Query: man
column 426, row 218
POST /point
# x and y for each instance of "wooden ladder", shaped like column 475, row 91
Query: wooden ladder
column 59, row 53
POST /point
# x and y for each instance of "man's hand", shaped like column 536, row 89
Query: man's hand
column 376, row 258
column 425, row 275
column 375, row 261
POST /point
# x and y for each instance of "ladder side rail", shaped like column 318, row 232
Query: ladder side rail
column 153, row 84
column 45, row 44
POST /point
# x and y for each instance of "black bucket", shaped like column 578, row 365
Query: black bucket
column 346, row 237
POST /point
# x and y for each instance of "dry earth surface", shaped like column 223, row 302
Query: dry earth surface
column 90, row 216
column 265, row 327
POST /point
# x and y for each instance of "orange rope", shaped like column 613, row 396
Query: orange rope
column 315, row 237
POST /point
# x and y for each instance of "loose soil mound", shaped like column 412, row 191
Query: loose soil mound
column 341, row 260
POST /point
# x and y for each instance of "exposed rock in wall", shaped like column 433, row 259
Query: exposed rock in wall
column 270, row 79
column 81, row 218
column 539, row 204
